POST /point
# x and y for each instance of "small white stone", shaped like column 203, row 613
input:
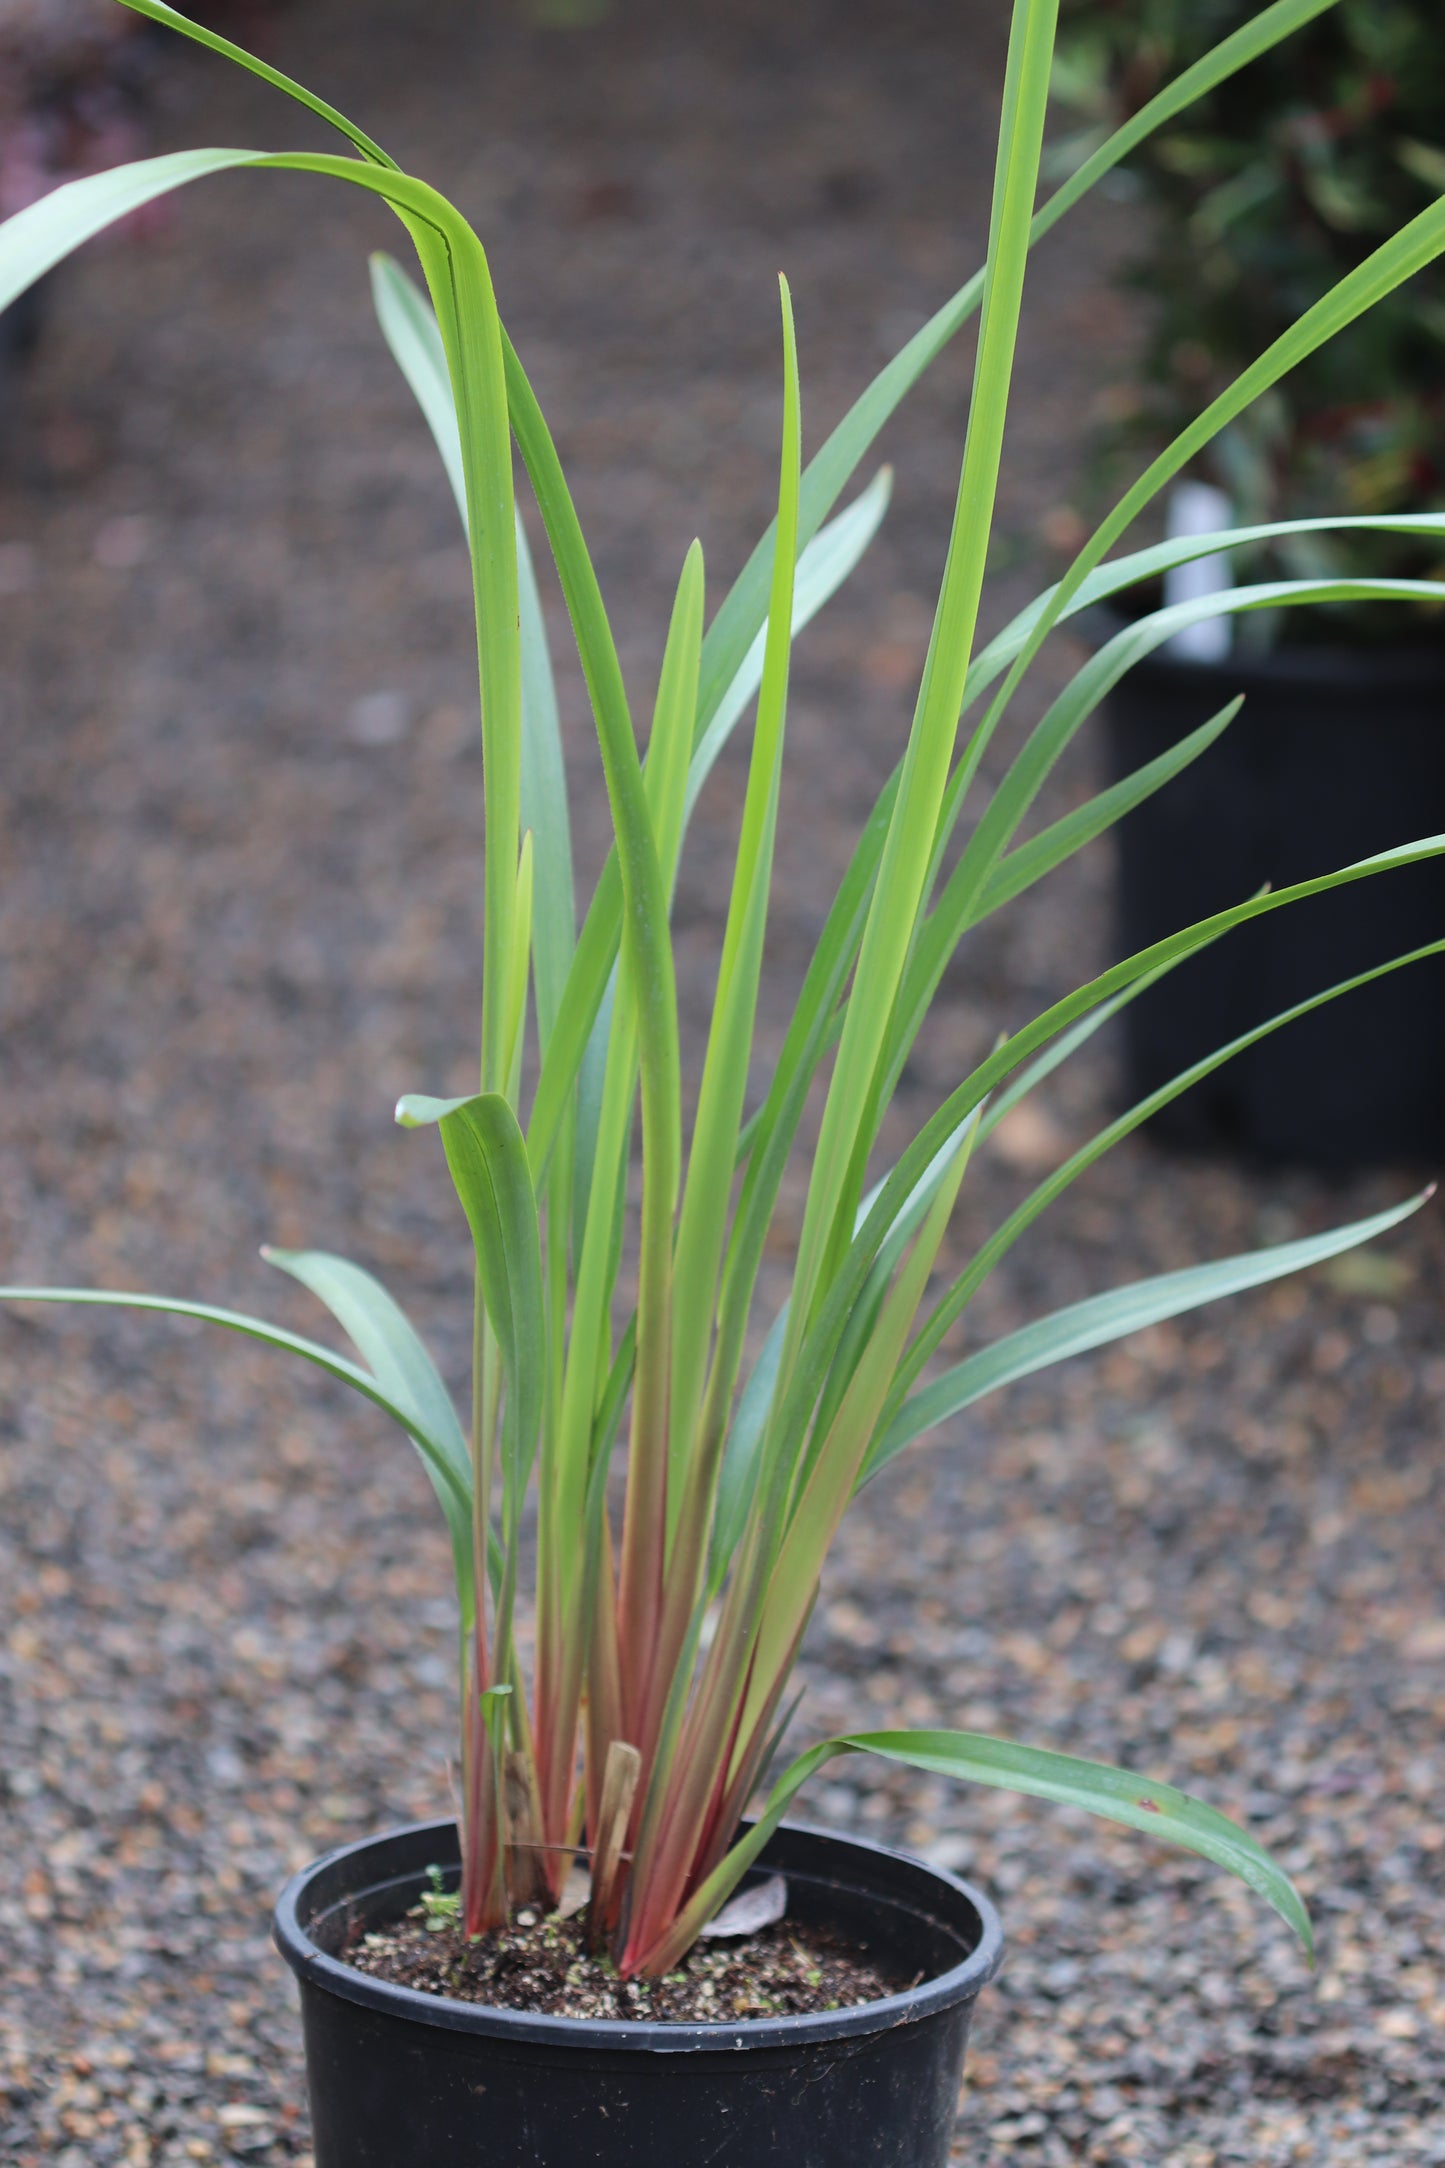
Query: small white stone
column 379, row 718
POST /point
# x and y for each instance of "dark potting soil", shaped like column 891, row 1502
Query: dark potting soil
column 541, row 1964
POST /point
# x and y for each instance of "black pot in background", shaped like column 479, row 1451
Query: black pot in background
column 1336, row 754
column 400, row 2079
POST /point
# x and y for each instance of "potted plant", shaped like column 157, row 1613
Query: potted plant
column 1278, row 185
column 528, row 1982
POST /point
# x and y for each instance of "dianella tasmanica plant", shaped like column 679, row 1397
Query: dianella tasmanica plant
column 666, row 1631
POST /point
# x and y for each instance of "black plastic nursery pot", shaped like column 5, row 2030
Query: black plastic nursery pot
column 401, row 2079
column 1337, row 753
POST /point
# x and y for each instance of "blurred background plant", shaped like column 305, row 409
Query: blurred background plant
column 1272, row 189
column 76, row 79
column 68, row 93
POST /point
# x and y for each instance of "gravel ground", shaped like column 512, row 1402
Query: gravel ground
column 240, row 805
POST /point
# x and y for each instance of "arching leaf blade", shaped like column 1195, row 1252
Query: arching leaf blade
column 1102, row 1319
column 966, row 897
column 1114, row 1795
column 41, row 236
column 1078, row 1162
column 1031, row 861
column 1150, row 564
column 702, row 1223
column 410, row 327
column 801, row 1390
column 822, row 568
column 837, row 1174
column 385, row 1338
column 451, row 1484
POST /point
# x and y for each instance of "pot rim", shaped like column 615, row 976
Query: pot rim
column 962, row 1982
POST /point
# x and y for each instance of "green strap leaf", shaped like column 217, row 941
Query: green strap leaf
column 1116, row 1795
column 1416, row 245
column 402, row 1410
column 1023, row 1216
column 827, row 1473
column 39, row 237
column 703, row 1223
column 587, row 1112
column 1029, row 863
column 36, row 239
column 866, row 1311
column 643, row 890
column 970, row 1757
column 800, row 1391
column 1068, row 1043
column 1113, row 1316
column 1148, row 565
column 456, row 266
column 451, row 1479
column 822, row 568
column 459, row 278
column 836, row 1179
column 487, row 1158
column 978, row 883
column 738, row 1473
column 645, row 1509
column 385, row 1337
column 735, row 629
column 398, row 1358
column 768, row 1138
column 410, row 328
column 669, row 744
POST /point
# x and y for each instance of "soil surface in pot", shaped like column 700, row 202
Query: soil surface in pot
column 541, row 1964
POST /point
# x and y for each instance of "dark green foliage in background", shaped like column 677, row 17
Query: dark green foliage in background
column 1260, row 199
